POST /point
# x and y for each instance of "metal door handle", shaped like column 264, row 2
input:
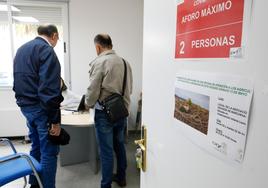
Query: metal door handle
column 142, row 144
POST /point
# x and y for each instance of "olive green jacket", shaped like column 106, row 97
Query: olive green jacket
column 106, row 76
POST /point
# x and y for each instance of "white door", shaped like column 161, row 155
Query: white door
column 173, row 161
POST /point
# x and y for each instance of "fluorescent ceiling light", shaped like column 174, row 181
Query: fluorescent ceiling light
column 4, row 8
column 26, row 19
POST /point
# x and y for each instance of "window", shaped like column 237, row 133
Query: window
column 18, row 25
column 5, row 48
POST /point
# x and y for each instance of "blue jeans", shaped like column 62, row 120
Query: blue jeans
column 42, row 149
column 110, row 138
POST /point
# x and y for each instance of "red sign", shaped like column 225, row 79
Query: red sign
column 208, row 28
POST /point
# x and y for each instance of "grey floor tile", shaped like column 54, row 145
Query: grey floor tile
column 81, row 175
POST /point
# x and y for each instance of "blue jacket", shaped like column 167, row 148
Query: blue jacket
column 37, row 78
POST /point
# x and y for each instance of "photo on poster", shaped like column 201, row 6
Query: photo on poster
column 192, row 109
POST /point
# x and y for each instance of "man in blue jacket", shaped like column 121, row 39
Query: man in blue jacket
column 38, row 94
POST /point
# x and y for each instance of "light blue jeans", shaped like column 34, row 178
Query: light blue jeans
column 41, row 149
column 110, row 138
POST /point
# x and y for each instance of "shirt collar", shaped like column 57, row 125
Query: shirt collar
column 44, row 39
column 107, row 52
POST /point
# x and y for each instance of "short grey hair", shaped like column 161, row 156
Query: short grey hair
column 104, row 40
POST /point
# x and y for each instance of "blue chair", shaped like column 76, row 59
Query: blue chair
column 17, row 165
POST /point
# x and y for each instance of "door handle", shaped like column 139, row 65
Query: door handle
column 142, row 149
column 140, row 143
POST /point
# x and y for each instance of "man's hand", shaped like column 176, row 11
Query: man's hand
column 55, row 129
column 86, row 107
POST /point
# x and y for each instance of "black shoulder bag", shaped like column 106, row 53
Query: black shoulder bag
column 114, row 105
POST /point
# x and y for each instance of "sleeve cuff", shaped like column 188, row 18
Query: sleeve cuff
column 55, row 116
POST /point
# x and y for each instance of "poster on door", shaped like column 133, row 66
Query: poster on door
column 209, row 29
column 213, row 110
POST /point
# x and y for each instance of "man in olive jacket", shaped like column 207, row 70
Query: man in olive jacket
column 106, row 77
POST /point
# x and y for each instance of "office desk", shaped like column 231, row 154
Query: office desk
column 83, row 146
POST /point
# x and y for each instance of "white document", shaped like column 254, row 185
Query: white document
column 71, row 100
column 213, row 111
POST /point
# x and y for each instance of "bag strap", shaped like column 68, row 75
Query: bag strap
column 124, row 81
column 125, row 77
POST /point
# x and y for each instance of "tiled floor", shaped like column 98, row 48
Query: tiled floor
column 80, row 175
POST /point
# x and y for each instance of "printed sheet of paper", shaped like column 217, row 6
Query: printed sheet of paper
column 213, row 111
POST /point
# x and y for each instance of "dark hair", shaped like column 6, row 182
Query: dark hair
column 47, row 30
column 104, row 40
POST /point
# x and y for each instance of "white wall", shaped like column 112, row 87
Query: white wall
column 12, row 123
column 173, row 160
column 123, row 21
